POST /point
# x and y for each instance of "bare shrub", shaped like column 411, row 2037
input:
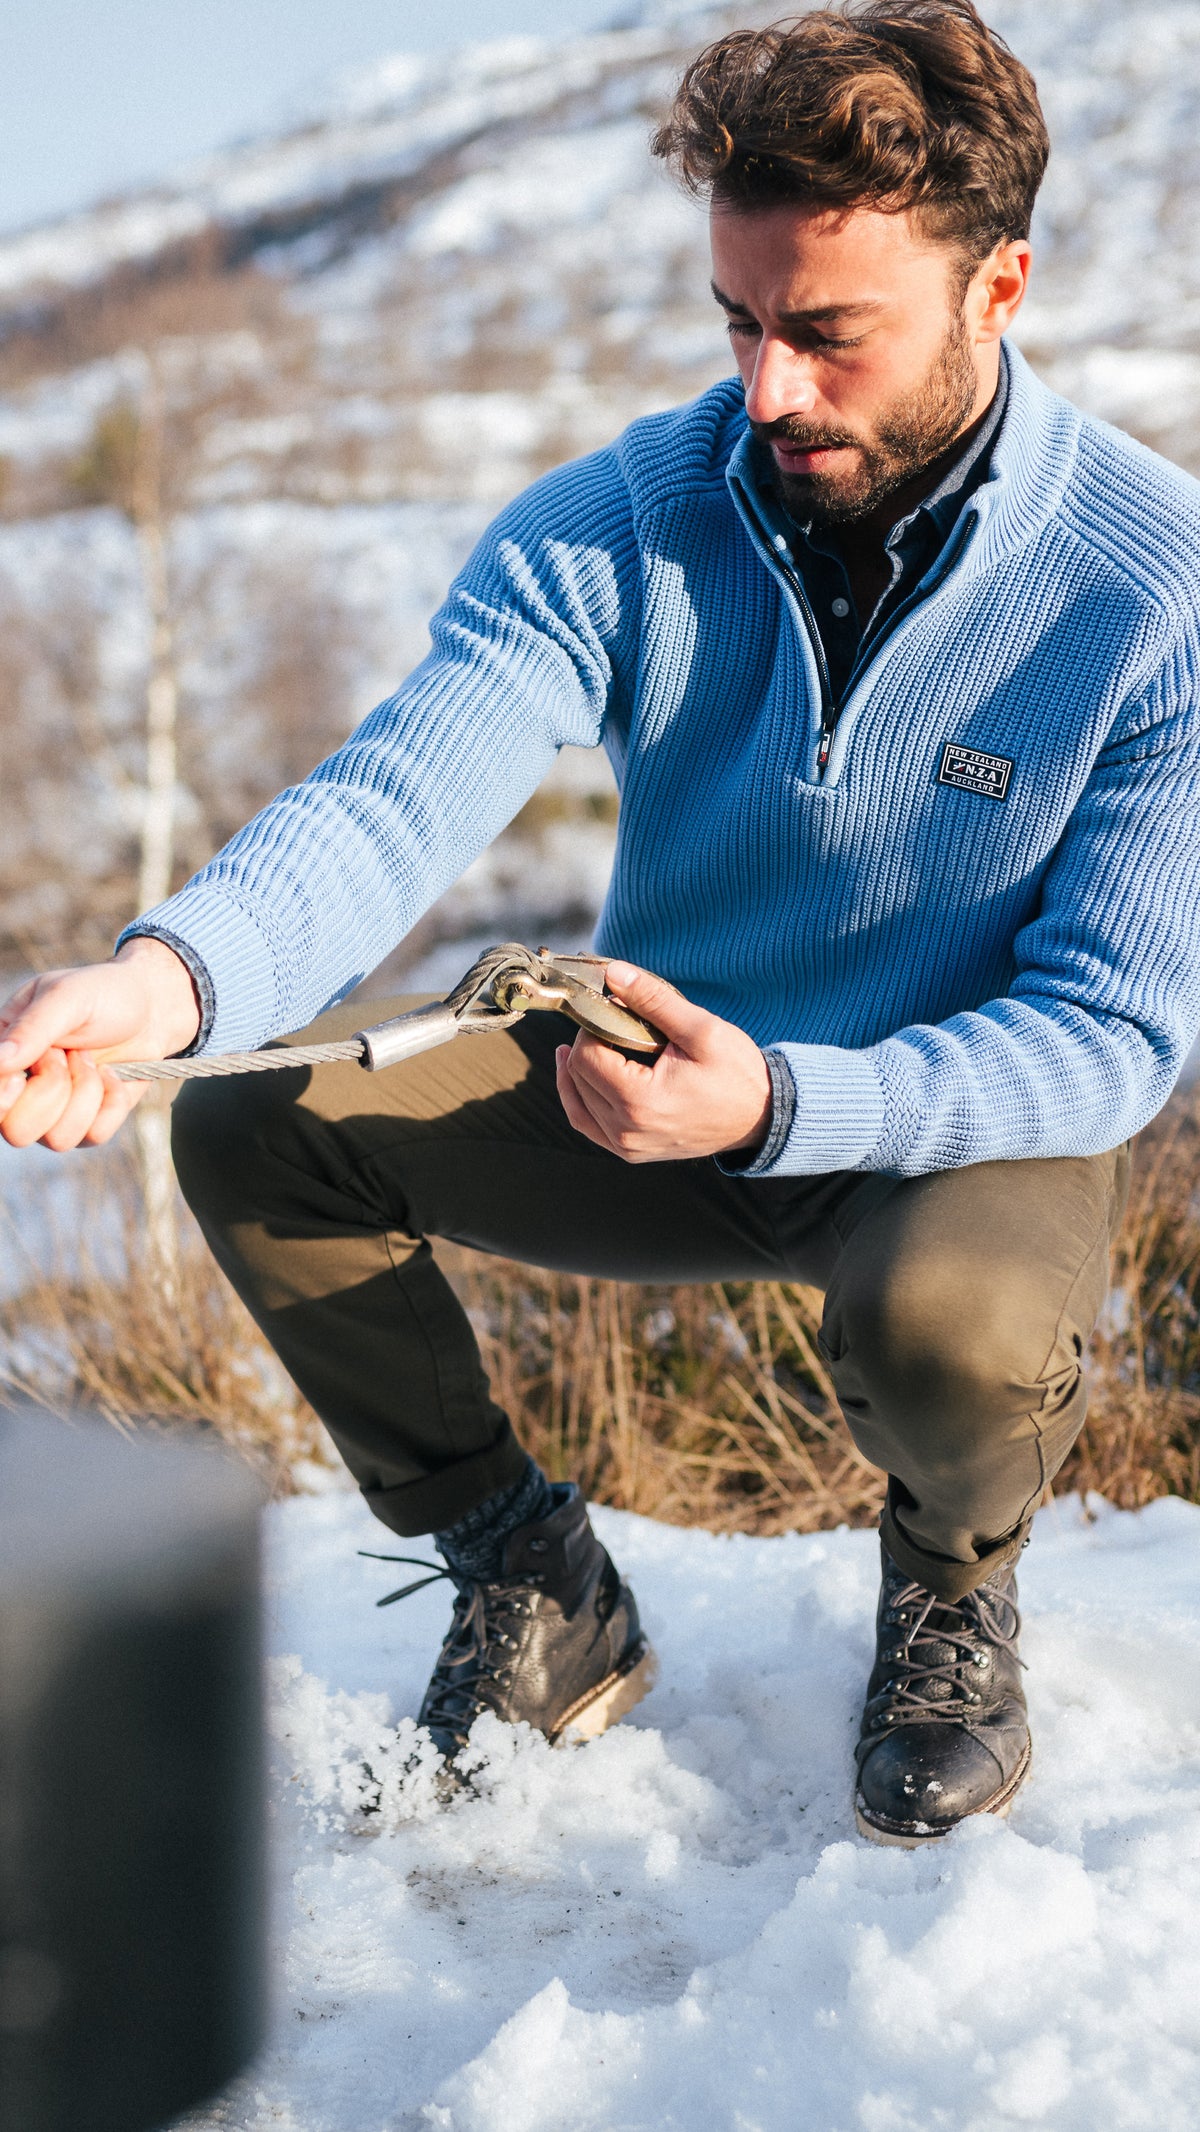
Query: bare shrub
column 1142, row 1437
column 91, row 1328
column 66, row 852
column 279, row 691
column 191, row 290
column 254, row 662
column 699, row 1405
column 550, row 804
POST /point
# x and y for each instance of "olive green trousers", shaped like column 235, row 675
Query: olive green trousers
column 957, row 1306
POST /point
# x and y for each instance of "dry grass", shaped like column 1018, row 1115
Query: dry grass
column 706, row 1405
column 100, row 1330
column 1142, row 1437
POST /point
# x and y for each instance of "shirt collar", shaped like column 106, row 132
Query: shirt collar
column 942, row 505
column 752, row 471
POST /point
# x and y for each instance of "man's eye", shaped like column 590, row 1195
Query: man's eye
column 813, row 343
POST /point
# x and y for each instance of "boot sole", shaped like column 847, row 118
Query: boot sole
column 613, row 1699
column 906, row 1839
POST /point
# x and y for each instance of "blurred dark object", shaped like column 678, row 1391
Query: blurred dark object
column 132, row 1883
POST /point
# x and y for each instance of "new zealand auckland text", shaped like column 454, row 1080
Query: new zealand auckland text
column 973, row 772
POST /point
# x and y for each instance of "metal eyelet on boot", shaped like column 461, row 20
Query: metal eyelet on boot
column 574, row 1658
column 933, row 1748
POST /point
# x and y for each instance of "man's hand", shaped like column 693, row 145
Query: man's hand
column 708, row 1093
column 57, row 1031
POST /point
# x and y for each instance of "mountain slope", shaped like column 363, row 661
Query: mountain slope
column 457, row 274
column 468, row 267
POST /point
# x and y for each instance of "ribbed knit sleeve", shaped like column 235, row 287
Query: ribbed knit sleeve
column 973, row 933
column 1104, row 1004
column 530, row 651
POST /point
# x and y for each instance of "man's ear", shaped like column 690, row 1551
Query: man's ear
column 996, row 290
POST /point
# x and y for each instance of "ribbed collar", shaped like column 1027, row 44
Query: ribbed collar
column 1032, row 455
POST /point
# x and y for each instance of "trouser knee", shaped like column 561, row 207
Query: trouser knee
column 209, row 1141
column 960, row 1308
column 242, row 1144
column 961, row 1377
column 953, row 1347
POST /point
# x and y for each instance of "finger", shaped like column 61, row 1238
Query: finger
column 83, row 1105
column 612, row 1103
column 12, row 1085
column 41, row 1103
column 120, row 1097
column 573, row 1104
column 658, row 1002
column 609, row 1124
column 14, row 1007
column 618, row 1079
column 48, row 1019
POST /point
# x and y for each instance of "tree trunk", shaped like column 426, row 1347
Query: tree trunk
column 157, row 857
column 152, row 1131
column 162, row 713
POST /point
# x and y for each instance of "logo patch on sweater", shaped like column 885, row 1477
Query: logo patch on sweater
column 972, row 771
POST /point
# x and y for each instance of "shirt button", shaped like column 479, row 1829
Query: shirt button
column 841, row 609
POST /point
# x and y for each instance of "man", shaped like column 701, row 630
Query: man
column 895, row 655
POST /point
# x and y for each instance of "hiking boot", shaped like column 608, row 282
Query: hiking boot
column 555, row 1641
column 944, row 1731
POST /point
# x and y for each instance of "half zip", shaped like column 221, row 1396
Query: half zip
column 869, row 650
column 871, row 646
column 831, row 709
column 776, row 553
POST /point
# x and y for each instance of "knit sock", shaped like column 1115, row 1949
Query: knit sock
column 474, row 1547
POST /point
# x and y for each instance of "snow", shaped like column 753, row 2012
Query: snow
column 677, row 1925
column 386, row 123
column 552, row 183
column 1118, row 79
column 1146, row 390
column 57, row 414
column 388, row 566
column 522, row 231
column 40, row 1222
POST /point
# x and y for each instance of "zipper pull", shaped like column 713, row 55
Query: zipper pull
column 826, row 742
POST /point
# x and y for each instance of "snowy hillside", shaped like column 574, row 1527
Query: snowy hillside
column 476, row 269
column 371, row 330
column 676, row 1929
column 434, row 290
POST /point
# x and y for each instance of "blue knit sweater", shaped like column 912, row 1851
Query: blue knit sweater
column 976, row 936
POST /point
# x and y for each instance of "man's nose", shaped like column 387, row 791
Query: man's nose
column 780, row 384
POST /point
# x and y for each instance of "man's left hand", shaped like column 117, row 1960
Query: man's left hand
column 707, row 1093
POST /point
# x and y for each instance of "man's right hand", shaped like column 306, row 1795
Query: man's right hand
column 57, row 1032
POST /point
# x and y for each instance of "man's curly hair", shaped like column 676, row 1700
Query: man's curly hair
column 896, row 104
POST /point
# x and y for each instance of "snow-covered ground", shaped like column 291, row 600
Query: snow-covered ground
column 677, row 1927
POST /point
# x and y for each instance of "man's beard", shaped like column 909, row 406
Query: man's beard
column 917, row 429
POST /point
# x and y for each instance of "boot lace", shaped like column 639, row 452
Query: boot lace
column 941, row 1649
column 473, row 1665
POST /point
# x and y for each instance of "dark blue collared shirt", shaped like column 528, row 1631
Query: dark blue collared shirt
column 913, row 547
